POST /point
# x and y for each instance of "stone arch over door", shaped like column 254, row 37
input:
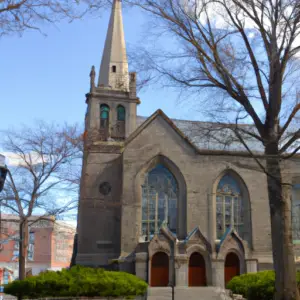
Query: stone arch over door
column 181, row 185
column 197, row 270
column 159, row 270
column 231, row 266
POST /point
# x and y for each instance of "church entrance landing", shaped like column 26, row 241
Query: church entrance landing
column 160, row 269
column 232, row 267
column 197, row 272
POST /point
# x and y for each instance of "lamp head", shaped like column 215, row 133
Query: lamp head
column 3, row 171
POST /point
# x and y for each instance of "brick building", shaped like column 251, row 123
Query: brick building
column 50, row 246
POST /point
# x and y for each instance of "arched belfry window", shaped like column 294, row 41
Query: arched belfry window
column 121, row 113
column 104, row 116
column 159, row 201
column 232, row 207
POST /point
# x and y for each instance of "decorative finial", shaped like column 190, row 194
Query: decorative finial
column 93, row 76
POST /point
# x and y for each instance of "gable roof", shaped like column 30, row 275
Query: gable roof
column 202, row 237
column 149, row 120
column 209, row 136
column 230, row 231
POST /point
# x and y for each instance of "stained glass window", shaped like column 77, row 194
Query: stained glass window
column 296, row 213
column 229, row 208
column 121, row 113
column 159, row 201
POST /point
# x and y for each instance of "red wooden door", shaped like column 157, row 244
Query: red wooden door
column 197, row 272
column 232, row 266
column 160, row 269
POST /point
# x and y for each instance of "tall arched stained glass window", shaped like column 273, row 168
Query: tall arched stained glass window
column 229, row 206
column 104, row 116
column 159, row 201
column 121, row 113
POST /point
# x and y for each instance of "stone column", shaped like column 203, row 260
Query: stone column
column 251, row 265
column 211, row 202
column 141, row 262
column 181, row 270
column 217, row 267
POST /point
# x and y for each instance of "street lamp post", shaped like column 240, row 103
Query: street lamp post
column 3, row 171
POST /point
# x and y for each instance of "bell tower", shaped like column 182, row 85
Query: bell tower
column 110, row 119
column 111, row 113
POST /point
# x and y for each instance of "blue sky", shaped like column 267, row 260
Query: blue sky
column 47, row 77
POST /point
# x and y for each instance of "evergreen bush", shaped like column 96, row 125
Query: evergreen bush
column 78, row 282
column 254, row 286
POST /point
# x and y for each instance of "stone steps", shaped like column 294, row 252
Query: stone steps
column 188, row 293
column 159, row 293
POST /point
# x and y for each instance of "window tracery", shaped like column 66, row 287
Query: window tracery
column 159, row 201
column 229, row 206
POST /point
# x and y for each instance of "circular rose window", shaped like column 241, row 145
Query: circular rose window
column 105, row 188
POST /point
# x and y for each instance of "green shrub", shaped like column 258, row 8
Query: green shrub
column 78, row 281
column 253, row 286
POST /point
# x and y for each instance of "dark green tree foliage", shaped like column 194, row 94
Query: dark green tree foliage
column 78, row 281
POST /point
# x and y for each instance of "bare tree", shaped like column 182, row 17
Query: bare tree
column 243, row 54
column 46, row 162
column 18, row 16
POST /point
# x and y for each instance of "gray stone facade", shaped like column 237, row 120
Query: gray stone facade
column 114, row 170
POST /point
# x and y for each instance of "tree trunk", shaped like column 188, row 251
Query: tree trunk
column 74, row 254
column 283, row 250
column 23, row 245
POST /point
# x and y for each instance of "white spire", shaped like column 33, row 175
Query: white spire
column 114, row 64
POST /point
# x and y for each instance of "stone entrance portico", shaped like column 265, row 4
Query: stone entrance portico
column 180, row 252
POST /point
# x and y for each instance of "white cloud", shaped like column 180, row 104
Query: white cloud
column 13, row 159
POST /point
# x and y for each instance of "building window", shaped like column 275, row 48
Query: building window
column 114, row 69
column 296, row 213
column 159, row 201
column 121, row 113
column 105, row 188
column 6, row 276
column 229, row 206
column 104, row 116
column 30, row 251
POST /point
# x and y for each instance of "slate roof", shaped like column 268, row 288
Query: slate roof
column 212, row 136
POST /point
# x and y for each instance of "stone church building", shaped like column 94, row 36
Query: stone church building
column 160, row 201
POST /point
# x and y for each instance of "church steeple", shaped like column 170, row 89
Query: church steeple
column 114, row 64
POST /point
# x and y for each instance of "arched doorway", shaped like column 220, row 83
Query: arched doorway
column 232, row 266
column 160, row 269
column 197, row 271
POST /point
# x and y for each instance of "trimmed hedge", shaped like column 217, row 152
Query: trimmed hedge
column 253, row 286
column 76, row 282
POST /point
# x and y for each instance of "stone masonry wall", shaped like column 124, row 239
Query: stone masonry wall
column 201, row 173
